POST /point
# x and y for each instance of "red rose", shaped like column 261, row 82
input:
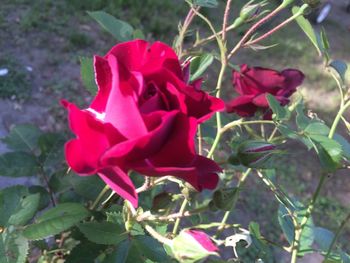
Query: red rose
column 143, row 118
column 253, row 84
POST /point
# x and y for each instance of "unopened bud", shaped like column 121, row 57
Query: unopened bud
column 312, row 3
column 249, row 12
column 255, row 153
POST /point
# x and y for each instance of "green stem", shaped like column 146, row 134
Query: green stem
column 299, row 228
column 181, row 212
column 283, row 24
column 234, row 201
column 99, row 197
column 337, row 119
column 337, row 234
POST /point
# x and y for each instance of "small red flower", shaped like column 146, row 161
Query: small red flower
column 253, row 84
column 143, row 118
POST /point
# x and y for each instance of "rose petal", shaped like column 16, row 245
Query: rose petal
column 137, row 55
column 242, row 105
column 93, row 138
column 121, row 97
column 119, row 182
column 203, row 239
column 143, row 146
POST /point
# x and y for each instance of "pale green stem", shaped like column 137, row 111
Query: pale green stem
column 336, row 236
column 337, row 119
column 99, row 197
column 299, row 227
column 234, row 201
column 181, row 212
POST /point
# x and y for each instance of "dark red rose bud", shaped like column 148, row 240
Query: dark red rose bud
column 253, row 84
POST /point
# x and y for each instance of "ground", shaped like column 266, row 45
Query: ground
column 41, row 41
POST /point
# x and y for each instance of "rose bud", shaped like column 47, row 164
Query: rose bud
column 255, row 153
column 249, row 12
column 253, row 84
column 193, row 245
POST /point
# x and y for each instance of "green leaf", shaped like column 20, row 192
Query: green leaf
column 138, row 34
column 88, row 75
column 150, row 248
column 52, row 156
column 119, row 255
column 340, row 67
column 105, row 233
column 301, row 120
column 85, row 252
column 18, row 164
column 328, row 150
column 323, row 238
column 306, row 26
column 317, row 128
column 13, row 247
column 286, row 223
column 206, row 3
column 282, row 113
column 223, row 198
column 200, row 64
column 87, row 186
column 56, row 220
column 121, row 30
column 345, row 145
column 17, row 206
column 26, row 210
column 23, row 137
column 44, row 195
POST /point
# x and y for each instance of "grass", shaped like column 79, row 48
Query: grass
column 16, row 83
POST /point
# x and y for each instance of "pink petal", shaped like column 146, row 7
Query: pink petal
column 203, row 239
column 121, row 98
column 119, row 182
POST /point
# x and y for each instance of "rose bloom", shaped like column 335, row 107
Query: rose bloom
column 143, row 118
column 253, row 84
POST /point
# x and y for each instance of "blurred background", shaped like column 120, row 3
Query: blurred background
column 41, row 42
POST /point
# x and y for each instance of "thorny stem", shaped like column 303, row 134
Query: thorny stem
column 146, row 185
column 281, row 25
column 181, row 212
column 254, row 28
column 157, row 236
column 184, row 28
column 212, row 37
column 337, row 119
column 234, row 201
column 299, row 227
column 336, row 236
column 224, row 24
column 222, row 48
